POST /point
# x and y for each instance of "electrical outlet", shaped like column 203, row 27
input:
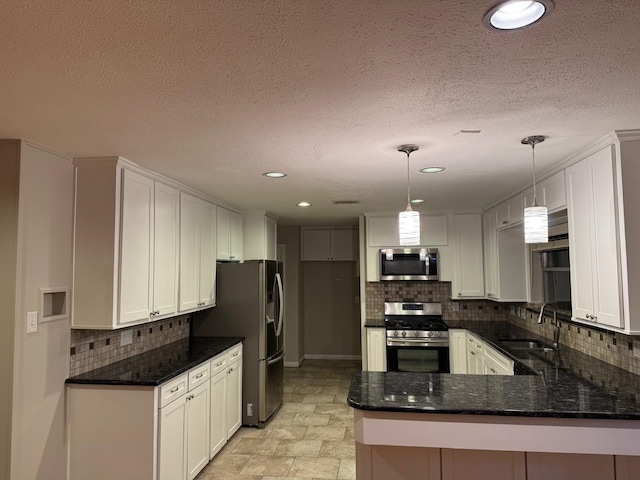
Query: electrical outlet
column 636, row 348
column 455, row 306
column 126, row 337
column 249, row 409
column 32, row 322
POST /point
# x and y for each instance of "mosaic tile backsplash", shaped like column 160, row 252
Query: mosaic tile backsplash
column 610, row 347
column 91, row 349
column 376, row 293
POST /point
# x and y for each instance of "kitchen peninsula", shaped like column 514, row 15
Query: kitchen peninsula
column 570, row 417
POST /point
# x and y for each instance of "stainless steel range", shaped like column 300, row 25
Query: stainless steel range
column 417, row 338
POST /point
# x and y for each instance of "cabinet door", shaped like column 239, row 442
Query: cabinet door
column 595, row 268
column 458, row 350
column 511, row 276
column 376, row 350
column 234, row 398
column 490, row 258
column 166, row 242
column 198, row 407
column 516, row 209
column 316, row 244
column 570, row 466
column 270, row 240
column 236, row 237
column 554, row 192
column 469, row 272
column 218, row 426
column 482, row 464
column 172, row 448
column 607, row 277
column 189, row 258
column 343, row 244
column 207, row 250
column 223, row 234
column 136, row 248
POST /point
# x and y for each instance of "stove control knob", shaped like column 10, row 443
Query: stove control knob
column 395, row 334
column 429, row 334
column 417, row 333
column 404, row 334
column 435, row 334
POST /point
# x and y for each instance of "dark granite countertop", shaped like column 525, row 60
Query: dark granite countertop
column 563, row 384
column 158, row 365
column 371, row 323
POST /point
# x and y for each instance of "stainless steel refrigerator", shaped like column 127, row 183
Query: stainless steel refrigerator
column 249, row 303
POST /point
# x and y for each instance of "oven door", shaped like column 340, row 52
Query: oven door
column 403, row 357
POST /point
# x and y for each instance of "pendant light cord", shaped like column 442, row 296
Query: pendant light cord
column 533, row 155
column 408, row 187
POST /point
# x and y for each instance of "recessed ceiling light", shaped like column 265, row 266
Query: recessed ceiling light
column 515, row 14
column 304, row 204
column 417, row 200
column 432, row 169
column 274, row 174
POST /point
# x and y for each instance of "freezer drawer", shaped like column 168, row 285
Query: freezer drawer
column 272, row 384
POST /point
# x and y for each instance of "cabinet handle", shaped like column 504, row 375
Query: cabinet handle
column 472, row 353
column 235, row 354
column 174, row 390
column 219, row 364
column 200, row 375
column 190, row 397
column 492, row 370
column 504, row 222
column 230, row 370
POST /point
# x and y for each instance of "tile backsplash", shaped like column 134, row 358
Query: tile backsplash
column 377, row 293
column 91, row 349
column 610, row 347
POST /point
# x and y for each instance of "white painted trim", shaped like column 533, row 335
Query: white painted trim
column 332, row 357
column 488, row 432
column 291, row 364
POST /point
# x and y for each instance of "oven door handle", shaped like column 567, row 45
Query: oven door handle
column 391, row 342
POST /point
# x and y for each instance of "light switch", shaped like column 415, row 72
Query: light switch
column 32, row 322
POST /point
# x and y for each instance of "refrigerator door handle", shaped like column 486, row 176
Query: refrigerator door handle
column 280, row 304
column 275, row 360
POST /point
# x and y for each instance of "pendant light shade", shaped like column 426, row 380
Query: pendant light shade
column 409, row 220
column 536, row 226
column 536, row 218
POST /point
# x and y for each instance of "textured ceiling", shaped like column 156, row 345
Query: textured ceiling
column 215, row 93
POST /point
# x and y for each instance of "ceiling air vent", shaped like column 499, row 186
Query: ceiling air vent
column 346, row 202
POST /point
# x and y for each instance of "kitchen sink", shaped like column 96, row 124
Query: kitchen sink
column 526, row 344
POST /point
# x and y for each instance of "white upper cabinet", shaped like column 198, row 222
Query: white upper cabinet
column 468, row 281
column 125, row 246
column 197, row 253
column 593, row 231
column 259, row 237
column 166, row 253
column 326, row 244
column 505, row 256
column 229, row 234
column 382, row 230
column 510, row 212
column 136, row 248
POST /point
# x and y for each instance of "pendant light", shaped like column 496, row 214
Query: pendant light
column 409, row 220
column 536, row 220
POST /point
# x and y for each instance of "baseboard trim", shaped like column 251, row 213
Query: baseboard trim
column 332, row 357
column 291, row 364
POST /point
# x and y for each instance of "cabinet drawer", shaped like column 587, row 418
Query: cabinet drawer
column 504, row 363
column 198, row 375
column 218, row 364
column 173, row 389
column 234, row 354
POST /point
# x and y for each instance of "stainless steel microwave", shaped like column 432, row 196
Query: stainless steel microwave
column 409, row 264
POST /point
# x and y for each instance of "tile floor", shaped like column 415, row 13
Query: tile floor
column 311, row 437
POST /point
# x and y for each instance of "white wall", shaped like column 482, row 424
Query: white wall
column 41, row 360
column 9, row 184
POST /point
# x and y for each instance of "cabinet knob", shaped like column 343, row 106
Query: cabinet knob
column 504, row 222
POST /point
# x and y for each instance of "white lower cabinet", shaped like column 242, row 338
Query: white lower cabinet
column 470, row 354
column 376, row 350
column 170, row 432
column 226, row 398
column 234, row 391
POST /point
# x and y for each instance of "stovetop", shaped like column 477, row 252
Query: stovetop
column 414, row 316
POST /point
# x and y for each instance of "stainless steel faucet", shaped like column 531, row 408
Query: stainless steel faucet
column 554, row 322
